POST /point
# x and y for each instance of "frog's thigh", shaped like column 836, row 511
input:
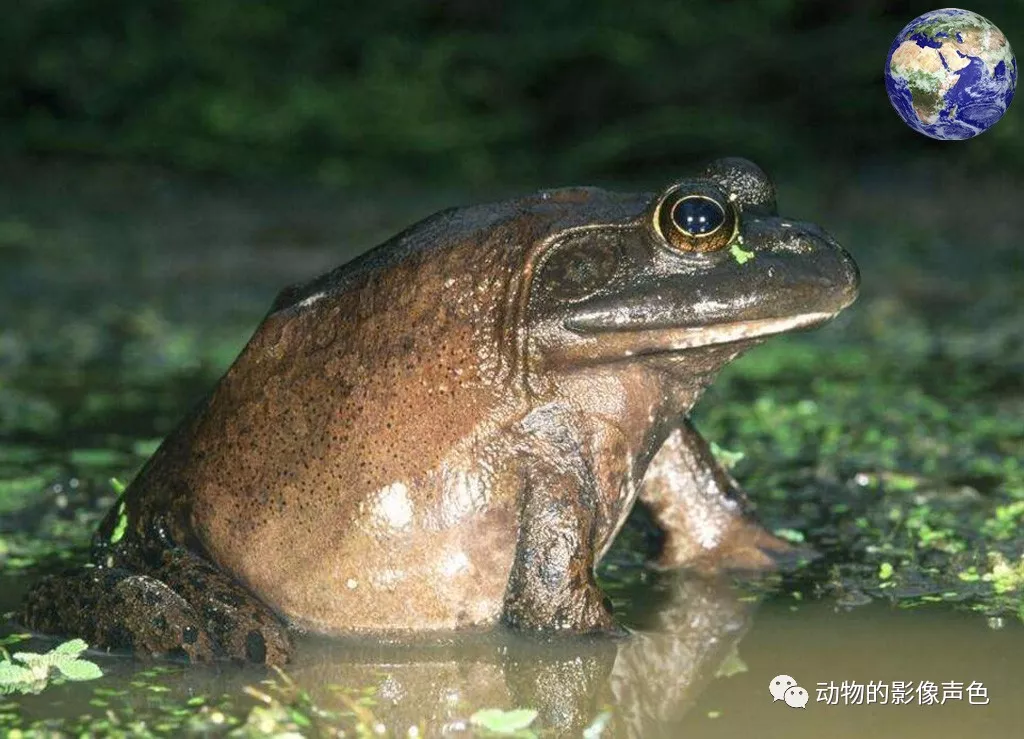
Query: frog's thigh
column 113, row 608
column 239, row 623
column 702, row 510
column 552, row 585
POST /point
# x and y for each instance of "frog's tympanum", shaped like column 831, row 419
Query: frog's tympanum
column 449, row 431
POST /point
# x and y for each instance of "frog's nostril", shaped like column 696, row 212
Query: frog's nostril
column 778, row 235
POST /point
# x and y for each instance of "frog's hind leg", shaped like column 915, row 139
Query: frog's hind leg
column 115, row 608
column 703, row 513
column 184, row 606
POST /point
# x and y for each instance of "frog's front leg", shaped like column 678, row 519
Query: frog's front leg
column 703, row 512
column 552, row 585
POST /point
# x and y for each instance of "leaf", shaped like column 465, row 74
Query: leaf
column 741, row 255
column 733, row 664
column 79, row 669
column 503, row 722
column 598, row 725
column 122, row 524
column 38, row 664
column 32, row 659
column 11, row 639
column 726, row 457
column 73, row 648
column 792, row 535
column 11, row 674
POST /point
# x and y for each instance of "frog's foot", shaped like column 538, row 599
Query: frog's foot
column 117, row 609
column 703, row 514
column 186, row 607
column 744, row 546
column 586, row 610
column 552, row 586
column 239, row 624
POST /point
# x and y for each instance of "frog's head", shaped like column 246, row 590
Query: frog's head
column 706, row 263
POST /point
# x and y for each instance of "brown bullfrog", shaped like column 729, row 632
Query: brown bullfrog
column 449, row 431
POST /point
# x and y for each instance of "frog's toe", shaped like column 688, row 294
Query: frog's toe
column 251, row 638
column 746, row 547
column 118, row 609
column 754, row 549
column 159, row 621
column 241, row 626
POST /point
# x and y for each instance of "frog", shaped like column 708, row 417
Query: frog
column 448, row 432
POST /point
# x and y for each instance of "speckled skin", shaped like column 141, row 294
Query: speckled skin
column 449, row 431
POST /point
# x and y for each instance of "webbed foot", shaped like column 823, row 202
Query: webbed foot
column 117, row 609
column 743, row 547
column 185, row 607
column 704, row 515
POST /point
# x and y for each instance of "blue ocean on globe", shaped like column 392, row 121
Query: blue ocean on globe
column 950, row 74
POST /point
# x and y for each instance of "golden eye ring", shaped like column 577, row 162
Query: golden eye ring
column 694, row 221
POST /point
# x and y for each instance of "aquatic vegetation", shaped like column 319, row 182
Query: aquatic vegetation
column 29, row 672
column 900, row 494
column 505, row 723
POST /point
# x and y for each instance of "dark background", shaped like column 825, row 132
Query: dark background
column 468, row 92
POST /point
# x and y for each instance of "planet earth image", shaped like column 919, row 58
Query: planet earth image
column 950, row 74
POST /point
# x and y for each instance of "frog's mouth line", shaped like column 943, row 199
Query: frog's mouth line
column 728, row 333
column 629, row 341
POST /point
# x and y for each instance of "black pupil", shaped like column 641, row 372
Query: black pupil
column 697, row 216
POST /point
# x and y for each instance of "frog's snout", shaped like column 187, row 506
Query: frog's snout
column 838, row 268
column 851, row 282
column 802, row 258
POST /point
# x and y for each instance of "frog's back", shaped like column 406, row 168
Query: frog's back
column 454, row 229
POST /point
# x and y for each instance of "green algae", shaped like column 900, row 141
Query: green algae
column 900, row 494
column 741, row 255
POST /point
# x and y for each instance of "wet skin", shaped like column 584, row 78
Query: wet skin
column 449, row 431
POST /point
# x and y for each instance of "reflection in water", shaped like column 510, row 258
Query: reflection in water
column 660, row 671
column 647, row 678
column 687, row 635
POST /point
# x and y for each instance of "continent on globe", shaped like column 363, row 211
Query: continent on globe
column 950, row 74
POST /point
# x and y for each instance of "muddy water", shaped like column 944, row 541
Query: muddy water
column 699, row 664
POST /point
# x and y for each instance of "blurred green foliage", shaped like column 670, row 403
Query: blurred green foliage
column 462, row 89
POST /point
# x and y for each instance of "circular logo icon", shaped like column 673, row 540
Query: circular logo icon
column 950, row 74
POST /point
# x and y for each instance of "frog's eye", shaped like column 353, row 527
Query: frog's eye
column 695, row 222
column 576, row 270
column 697, row 216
